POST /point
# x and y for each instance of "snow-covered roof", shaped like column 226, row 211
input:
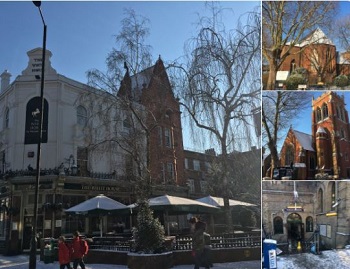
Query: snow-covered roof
column 305, row 140
column 343, row 58
column 315, row 37
column 321, row 130
column 282, row 75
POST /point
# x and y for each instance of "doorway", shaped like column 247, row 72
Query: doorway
column 295, row 229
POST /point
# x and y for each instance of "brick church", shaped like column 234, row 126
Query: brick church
column 327, row 149
column 318, row 55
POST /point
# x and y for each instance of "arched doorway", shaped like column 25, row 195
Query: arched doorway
column 295, row 229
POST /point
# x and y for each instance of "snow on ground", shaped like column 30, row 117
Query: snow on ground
column 21, row 262
column 331, row 259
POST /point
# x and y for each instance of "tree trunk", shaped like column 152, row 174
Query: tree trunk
column 271, row 82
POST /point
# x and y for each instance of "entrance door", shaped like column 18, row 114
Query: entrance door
column 295, row 229
column 27, row 232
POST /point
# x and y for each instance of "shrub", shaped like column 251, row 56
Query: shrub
column 341, row 81
column 149, row 233
column 293, row 81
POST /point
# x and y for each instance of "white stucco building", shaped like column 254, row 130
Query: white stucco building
column 79, row 155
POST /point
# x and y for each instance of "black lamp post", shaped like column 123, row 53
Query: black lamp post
column 32, row 256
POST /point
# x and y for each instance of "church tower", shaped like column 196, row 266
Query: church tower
column 331, row 134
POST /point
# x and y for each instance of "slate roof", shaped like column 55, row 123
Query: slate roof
column 305, row 140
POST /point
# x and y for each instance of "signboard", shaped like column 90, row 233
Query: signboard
column 323, row 230
column 33, row 114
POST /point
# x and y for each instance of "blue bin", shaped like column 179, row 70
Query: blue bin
column 270, row 255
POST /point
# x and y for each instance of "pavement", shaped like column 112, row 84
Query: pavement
column 21, row 262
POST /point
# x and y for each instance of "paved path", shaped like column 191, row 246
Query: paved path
column 21, row 262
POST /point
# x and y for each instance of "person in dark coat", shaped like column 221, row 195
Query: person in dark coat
column 63, row 253
column 79, row 250
column 198, row 243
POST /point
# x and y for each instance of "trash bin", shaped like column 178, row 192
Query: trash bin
column 48, row 256
column 270, row 256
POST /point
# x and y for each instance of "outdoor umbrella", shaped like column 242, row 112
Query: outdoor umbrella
column 219, row 202
column 99, row 206
column 176, row 205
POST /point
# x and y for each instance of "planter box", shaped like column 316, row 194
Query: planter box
column 150, row 261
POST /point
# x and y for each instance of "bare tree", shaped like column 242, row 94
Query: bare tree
column 220, row 86
column 285, row 24
column 132, row 52
column 343, row 32
column 278, row 110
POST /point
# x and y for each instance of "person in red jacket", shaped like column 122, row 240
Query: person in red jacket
column 63, row 253
column 79, row 249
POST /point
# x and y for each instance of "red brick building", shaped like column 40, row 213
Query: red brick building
column 318, row 55
column 151, row 87
column 328, row 148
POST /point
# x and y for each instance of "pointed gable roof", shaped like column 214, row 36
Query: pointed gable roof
column 305, row 140
column 317, row 36
column 134, row 85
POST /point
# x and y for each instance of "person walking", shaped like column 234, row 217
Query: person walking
column 198, row 242
column 79, row 249
column 63, row 253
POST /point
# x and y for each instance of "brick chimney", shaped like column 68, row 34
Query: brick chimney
column 5, row 80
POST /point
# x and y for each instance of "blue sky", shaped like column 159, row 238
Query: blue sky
column 80, row 34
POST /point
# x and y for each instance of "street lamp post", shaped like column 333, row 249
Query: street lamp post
column 32, row 256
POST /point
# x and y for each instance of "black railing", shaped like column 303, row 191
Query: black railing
column 183, row 242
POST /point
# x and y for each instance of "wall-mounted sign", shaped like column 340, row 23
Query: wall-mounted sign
column 33, row 114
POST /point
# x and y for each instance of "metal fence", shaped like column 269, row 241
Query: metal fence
column 182, row 242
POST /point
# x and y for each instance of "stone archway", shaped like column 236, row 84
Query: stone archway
column 295, row 228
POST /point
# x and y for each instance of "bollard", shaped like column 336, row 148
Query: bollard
column 270, row 256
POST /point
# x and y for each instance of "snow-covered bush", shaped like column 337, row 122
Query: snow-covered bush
column 149, row 232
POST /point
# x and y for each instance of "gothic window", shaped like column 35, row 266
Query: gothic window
column 320, row 201
column 167, row 136
column 325, row 111
column 292, row 66
column 343, row 114
column 160, row 135
column 318, row 114
column 278, row 225
column 289, row 155
column 170, row 171
column 333, row 198
column 309, row 224
column 339, row 113
column 342, row 133
column 81, row 116
column 7, row 118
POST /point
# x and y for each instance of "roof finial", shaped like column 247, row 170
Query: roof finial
column 126, row 67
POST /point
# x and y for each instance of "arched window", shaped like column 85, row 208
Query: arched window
column 325, row 111
column 292, row 65
column 289, row 155
column 320, row 201
column 278, row 225
column 333, row 196
column 309, row 224
column 7, row 118
column 318, row 114
column 339, row 113
column 81, row 116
